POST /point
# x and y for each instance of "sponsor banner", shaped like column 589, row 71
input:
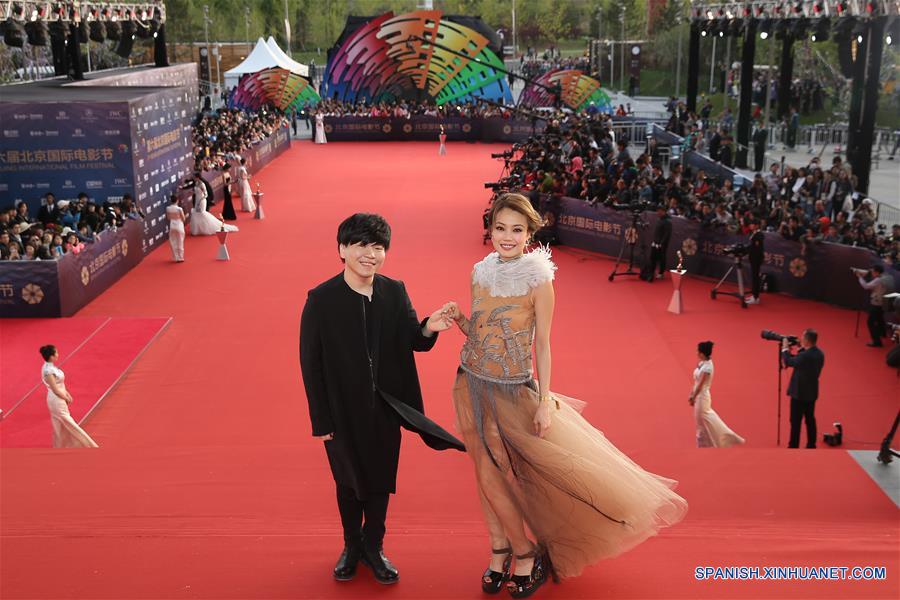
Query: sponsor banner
column 816, row 272
column 64, row 148
column 84, row 276
column 29, row 288
column 419, row 128
column 59, row 288
column 162, row 154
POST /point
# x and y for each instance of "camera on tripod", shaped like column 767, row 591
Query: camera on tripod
column 736, row 250
column 777, row 337
column 504, row 155
column 836, row 438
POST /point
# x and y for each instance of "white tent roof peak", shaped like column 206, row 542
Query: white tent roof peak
column 294, row 66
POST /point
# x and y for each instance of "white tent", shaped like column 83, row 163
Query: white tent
column 262, row 57
column 298, row 68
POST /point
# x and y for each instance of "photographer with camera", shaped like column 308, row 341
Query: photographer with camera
column 757, row 254
column 878, row 284
column 660, row 244
column 804, row 386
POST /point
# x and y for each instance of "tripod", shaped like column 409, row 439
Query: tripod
column 631, row 238
column 738, row 267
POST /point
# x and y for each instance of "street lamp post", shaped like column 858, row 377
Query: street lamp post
column 206, row 22
column 622, row 51
column 678, row 20
column 514, row 36
column 287, row 28
column 247, row 27
column 600, row 41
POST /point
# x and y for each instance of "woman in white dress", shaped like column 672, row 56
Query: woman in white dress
column 203, row 223
column 66, row 432
column 442, row 138
column 175, row 215
column 320, row 129
column 712, row 432
column 247, row 203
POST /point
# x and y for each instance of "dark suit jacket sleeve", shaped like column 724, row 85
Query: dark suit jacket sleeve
column 311, row 365
column 799, row 361
column 420, row 343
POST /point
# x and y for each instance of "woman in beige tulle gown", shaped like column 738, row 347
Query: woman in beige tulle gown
column 712, row 432
column 538, row 462
column 66, row 432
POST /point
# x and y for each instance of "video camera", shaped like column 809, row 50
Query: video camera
column 777, row 337
column 504, row 155
column 504, row 184
column 736, row 250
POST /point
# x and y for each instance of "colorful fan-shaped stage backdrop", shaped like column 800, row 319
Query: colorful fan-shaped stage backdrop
column 579, row 91
column 275, row 86
column 411, row 56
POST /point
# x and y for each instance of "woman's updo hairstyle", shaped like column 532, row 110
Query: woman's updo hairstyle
column 521, row 205
column 705, row 348
column 47, row 351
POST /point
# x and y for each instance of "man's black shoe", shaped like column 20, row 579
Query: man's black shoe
column 345, row 568
column 875, row 345
column 383, row 570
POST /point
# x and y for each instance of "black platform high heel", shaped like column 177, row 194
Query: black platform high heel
column 522, row 586
column 492, row 581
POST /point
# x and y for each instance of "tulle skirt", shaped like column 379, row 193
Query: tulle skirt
column 582, row 499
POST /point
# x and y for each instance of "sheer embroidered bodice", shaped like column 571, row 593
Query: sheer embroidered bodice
column 499, row 339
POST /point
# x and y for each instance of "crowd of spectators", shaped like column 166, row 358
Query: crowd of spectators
column 231, row 132
column 579, row 156
column 407, row 108
column 60, row 227
column 63, row 226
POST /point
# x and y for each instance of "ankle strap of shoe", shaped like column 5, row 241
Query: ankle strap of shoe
column 506, row 550
column 526, row 555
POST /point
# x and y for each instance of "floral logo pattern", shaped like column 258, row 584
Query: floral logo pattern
column 32, row 293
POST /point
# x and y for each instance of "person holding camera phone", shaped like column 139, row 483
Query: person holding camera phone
column 878, row 284
column 804, row 386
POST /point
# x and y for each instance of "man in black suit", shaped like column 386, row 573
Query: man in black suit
column 804, row 386
column 660, row 244
column 358, row 333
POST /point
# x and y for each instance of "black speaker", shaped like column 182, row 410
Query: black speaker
column 113, row 31
column 97, row 32
column 13, row 33
column 37, row 33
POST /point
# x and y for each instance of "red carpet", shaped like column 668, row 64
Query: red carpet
column 20, row 362
column 207, row 484
column 92, row 365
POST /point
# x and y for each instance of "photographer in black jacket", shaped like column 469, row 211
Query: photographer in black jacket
column 660, row 244
column 757, row 254
column 804, row 386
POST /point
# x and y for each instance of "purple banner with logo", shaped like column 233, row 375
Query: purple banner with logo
column 423, row 129
column 818, row 271
column 29, row 288
column 64, row 148
column 162, row 154
column 59, row 288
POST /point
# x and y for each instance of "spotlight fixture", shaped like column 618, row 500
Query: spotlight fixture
column 765, row 27
column 126, row 43
column 798, row 27
column 37, row 33
column 13, row 33
column 113, row 30
column 97, row 31
column 821, row 29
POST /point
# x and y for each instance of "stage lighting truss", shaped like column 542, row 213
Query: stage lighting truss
column 147, row 16
column 718, row 17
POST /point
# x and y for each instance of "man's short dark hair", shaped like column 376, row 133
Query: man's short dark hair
column 811, row 335
column 878, row 269
column 365, row 229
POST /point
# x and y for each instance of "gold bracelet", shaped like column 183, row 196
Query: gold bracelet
column 550, row 397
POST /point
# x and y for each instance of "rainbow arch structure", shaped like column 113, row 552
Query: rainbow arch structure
column 376, row 60
column 579, row 91
column 275, row 86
